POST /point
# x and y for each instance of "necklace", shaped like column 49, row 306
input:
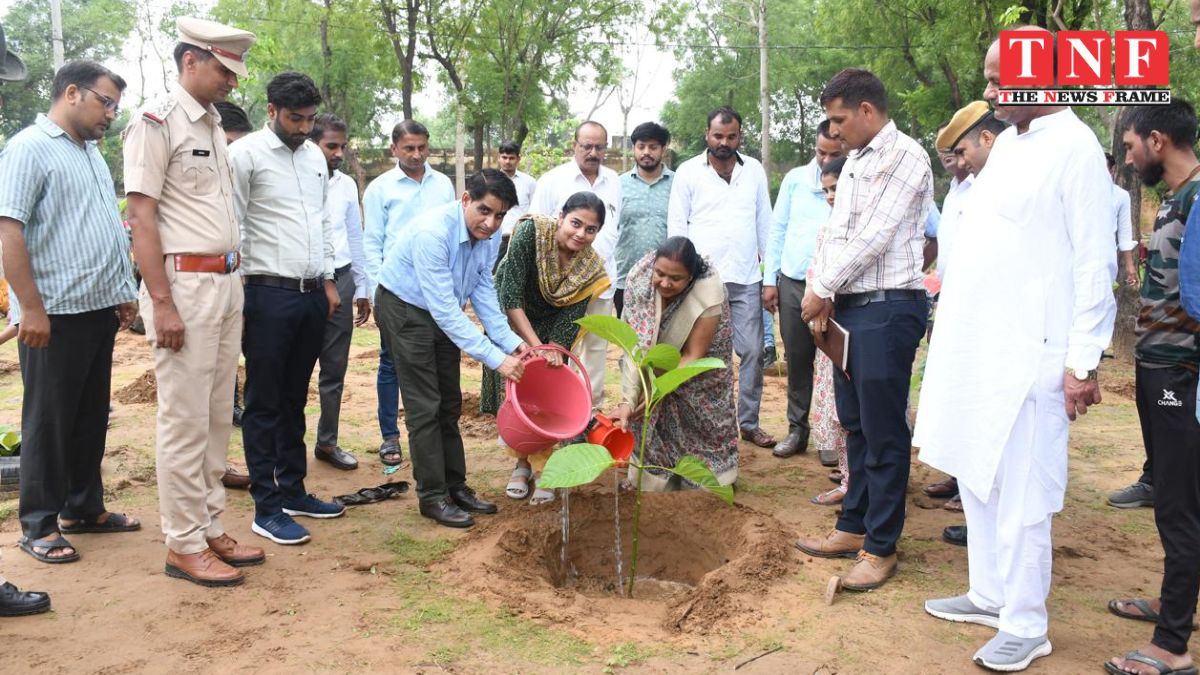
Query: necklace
column 1195, row 170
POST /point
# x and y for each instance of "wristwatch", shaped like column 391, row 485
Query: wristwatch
column 1082, row 375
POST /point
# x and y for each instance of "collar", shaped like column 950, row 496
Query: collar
column 464, row 237
column 885, row 137
column 48, row 126
column 1048, row 121
column 666, row 172
column 577, row 171
column 273, row 141
column 815, row 178
column 736, row 155
column 192, row 107
column 403, row 176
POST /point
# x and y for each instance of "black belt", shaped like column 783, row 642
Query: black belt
column 302, row 285
column 862, row 299
column 341, row 271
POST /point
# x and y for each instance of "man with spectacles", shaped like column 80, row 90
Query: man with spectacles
column 185, row 239
column 586, row 172
column 66, row 256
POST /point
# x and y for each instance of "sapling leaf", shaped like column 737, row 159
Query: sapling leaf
column 610, row 328
column 662, row 356
column 696, row 471
column 670, row 381
column 574, row 465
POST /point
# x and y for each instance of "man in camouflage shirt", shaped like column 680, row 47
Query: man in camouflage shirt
column 1158, row 142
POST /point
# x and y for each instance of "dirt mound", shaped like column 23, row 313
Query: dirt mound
column 7, row 367
column 703, row 566
column 142, row 390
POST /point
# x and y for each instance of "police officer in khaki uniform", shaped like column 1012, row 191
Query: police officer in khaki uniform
column 185, row 239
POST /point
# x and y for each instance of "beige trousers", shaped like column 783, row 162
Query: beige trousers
column 195, row 404
column 593, row 351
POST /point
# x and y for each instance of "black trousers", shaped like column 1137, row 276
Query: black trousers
column 427, row 364
column 619, row 301
column 873, row 407
column 1166, row 403
column 284, row 333
column 800, row 350
column 64, row 421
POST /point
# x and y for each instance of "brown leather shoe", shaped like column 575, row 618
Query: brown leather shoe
column 836, row 544
column 758, row 437
column 235, row 554
column 871, row 571
column 943, row 489
column 234, row 480
column 203, row 568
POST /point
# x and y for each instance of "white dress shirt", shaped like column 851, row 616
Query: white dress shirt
column 525, row 185
column 558, row 184
column 948, row 226
column 279, row 199
column 347, row 230
column 728, row 222
column 876, row 235
column 1124, row 226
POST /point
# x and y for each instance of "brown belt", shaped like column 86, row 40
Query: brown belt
column 226, row 263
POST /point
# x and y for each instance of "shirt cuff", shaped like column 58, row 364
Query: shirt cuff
column 1083, row 357
column 1127, row 246
column 769, row 277
column 820, row 289
column 493, row 358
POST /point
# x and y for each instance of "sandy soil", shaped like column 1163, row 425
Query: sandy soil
column 385, row 590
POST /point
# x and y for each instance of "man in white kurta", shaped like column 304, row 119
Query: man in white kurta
column 1025, row 313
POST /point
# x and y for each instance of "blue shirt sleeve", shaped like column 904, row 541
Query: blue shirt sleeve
column 779, row 225
column 487, row 308
column 374, row 232
column 932, row 220
column 431, row 263
column 1189, row 264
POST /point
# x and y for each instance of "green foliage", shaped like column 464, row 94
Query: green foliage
column 10, row 441
column 573, row 465
column 670, row 381
column 662, row 357
column 92, row 29
column 694, row 470
column 611, row 329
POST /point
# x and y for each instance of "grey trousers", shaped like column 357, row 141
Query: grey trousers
column 800, row 351
column 335, row 356
column 745, row 306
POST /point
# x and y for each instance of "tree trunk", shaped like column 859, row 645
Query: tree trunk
column 764, row 89
column 405, row 46
column 460, row 169
column 1137, row 17
column 326, row 57
column 478, row 129
column 522, row 133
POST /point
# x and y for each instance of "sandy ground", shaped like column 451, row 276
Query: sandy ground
column 385, row 590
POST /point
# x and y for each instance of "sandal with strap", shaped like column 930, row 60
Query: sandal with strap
column 1141, row 605
column 48, row 546
column 541, row 496
column 1138, row 657
column 518, row 483
column 116, row 522
column 370, row 495
column 832, row 497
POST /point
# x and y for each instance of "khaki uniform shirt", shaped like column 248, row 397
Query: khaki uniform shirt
column 175, row 153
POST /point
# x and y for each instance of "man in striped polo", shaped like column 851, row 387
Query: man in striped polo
column 66, row 257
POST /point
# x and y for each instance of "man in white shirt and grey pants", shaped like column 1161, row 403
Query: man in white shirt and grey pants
column 720, row 201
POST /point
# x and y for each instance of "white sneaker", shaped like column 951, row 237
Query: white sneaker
column 961, row 610
column 1009, row 653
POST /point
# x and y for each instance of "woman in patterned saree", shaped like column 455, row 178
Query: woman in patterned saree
column 673, row 296
column 544, row 283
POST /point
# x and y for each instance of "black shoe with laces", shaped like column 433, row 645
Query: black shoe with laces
column 465, row 498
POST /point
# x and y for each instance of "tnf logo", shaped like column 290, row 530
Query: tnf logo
column 1084, row 57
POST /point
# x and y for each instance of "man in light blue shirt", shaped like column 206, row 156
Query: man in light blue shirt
column 427, row 277
column 800, row 211
column 390, row 205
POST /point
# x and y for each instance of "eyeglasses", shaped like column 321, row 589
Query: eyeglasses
column 592, row 147
column 110, row 104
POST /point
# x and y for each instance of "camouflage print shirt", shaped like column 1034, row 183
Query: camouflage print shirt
column 1166, row 335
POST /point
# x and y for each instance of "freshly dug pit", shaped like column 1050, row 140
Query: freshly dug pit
column 703, row 566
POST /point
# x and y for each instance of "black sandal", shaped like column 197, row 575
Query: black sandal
column 371, row 495
column 57, row 543
column 116, row 522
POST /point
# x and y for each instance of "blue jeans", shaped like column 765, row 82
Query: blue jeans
column 768, row 329
column 387, row 392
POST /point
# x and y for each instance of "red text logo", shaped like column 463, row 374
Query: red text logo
column 1084, row 58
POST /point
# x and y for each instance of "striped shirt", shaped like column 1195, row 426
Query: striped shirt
column 876, row 233
column 63, row 194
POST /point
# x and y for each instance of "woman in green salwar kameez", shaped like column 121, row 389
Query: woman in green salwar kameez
column 544, row 283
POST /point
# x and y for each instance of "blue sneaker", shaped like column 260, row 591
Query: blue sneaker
column 310, row 506
column 281, row 529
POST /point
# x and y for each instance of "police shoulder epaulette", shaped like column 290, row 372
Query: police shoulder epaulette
column 157, row 112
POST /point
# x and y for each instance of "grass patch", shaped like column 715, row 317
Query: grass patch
column 630, row 654
column 418, row 552
column 8, row 509
column 365, row 338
